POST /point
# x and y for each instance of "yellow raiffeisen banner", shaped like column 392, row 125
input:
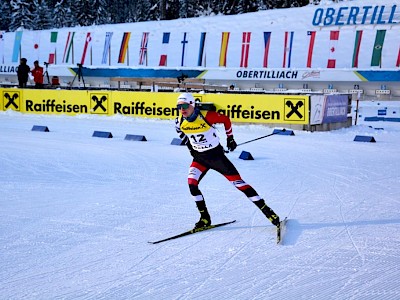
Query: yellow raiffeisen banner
column 290, row 109
column 279, row 109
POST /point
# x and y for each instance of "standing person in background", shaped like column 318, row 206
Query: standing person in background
column 37, row 73
column 198, row 133
column 22, row 73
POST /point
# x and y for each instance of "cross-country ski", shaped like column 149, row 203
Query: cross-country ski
column 281, row 230
column 192, row 231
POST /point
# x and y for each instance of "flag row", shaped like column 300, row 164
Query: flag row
column 266, row 49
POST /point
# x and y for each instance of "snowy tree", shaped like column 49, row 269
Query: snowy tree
column 83, row 13
column 189, row 8
column 100, row 13
column 141, row 11
column 202, row 8
column 5, row 19
column 287, row 3
column 62, row 14
column 172, row 9
column 245, row 6
column 118, row 10
column 42, row 15
column 21, row 14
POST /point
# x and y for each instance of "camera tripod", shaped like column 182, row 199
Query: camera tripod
column 79, row 74
column 46, row 74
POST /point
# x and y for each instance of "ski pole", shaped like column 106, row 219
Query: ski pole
column 276, row 132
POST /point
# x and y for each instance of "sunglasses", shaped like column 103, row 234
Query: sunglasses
column 183, row 106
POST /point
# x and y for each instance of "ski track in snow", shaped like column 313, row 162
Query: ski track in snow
column 77, row 213
column 345, row 223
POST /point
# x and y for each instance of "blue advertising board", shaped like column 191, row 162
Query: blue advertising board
column 336, row 107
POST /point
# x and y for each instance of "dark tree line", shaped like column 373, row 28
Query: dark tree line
column 47, row 14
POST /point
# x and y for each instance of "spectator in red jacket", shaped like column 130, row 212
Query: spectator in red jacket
column 37, row 73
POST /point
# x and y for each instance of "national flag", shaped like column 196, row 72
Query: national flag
column 287, row 51
column 312, row 35
column 69, row 48
column 87, row 42
column 357, row 44
column 334, row 38
column 165, row 41
column 36, row 49
column 267, row 40
column 183, row 42
column 106, row 49
column 124, row 47
column 244, row 58
column 398, row 59
column 224, row 49
column 201, row 49
column 53, row 43
column 143, row 49
column 376, row 59
column 36, row 43
column 17, row 46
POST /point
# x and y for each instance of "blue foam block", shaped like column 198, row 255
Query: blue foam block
column 381, row 112
column 392, row 119
column 246, row 156
column 283, row 132
column 102, row 134
column 364, row 138
column 40, row 128
column 177, row 142
column 388, row 119
column 374, row 119
column 134, row 137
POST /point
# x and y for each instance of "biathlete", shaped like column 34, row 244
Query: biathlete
column 198, row 133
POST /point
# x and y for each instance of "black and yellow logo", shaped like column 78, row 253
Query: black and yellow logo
column 198, row 99
column 295, row 110
column 99, row 103
column 11, row 100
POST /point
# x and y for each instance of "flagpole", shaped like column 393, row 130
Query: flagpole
column 358, row 100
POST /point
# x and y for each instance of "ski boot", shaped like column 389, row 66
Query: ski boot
column 205, row 219
column 268, row 212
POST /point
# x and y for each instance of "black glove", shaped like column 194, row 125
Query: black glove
column 230, row 143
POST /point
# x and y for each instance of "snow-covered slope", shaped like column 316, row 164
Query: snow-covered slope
column 77, row 213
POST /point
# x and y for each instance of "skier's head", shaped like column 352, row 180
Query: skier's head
column 186, row 98
column 185, row 104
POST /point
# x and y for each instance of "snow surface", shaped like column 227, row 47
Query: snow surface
column 77, row 212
